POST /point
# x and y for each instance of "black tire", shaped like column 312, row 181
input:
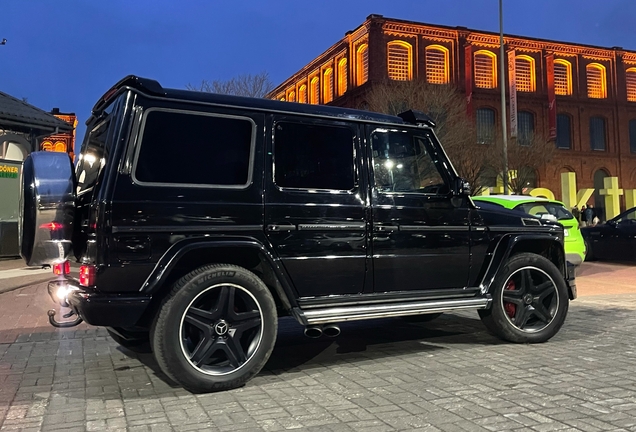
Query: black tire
column 215, row 329
column 135, row 341
column 589, row 253
column 423, row 318
column 530, row 300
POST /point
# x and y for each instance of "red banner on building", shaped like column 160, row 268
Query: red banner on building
column 512, row 88
column 468, row 77
column 552, row 112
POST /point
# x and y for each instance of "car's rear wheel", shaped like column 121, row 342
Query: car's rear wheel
column 215, row 329
column 589, row 253
column 530, row 300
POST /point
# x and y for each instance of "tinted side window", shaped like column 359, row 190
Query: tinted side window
column 312, row 156
column 402, row 163
column 195, row 149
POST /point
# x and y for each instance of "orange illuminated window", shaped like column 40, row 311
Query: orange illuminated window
column 436, row 64
column 47, row 146
column 314, row 91
column 524, row 73
column 630, row 78
column 291, row 96
column 596, row 87
column 60, row 147
column 281, row 97
column 399, row 61
column 485, row 69
column 362, row 64
column 342, row 76
column 302, row 94
column 562, row 77
column 327, row 85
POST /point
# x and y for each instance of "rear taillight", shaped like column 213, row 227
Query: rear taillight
column 87, row 275
column 52, row 226
column 62, row 268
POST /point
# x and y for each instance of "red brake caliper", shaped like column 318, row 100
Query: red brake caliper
column 510, row 308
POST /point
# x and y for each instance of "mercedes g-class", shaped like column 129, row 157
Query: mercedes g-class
column 198, row 219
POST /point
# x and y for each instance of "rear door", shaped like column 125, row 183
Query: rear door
column 315, row 211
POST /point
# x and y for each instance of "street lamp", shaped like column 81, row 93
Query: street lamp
column 502, row 84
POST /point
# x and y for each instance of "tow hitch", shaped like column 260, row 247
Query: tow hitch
column 59, row 291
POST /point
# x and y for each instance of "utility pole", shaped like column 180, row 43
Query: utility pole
column 502, row 84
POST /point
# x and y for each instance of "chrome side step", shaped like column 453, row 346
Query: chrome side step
column 351, row 313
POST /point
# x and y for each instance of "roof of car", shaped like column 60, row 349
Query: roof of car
column 153, row 88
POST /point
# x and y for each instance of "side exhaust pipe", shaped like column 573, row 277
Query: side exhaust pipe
column 314, row 331
column 331, row 330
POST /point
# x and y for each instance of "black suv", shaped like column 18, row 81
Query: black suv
column 198, row 219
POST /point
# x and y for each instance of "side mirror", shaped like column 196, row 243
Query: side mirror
column 612, row 223
column 461, row 187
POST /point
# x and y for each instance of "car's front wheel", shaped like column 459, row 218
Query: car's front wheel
column 215, row 329
column 530, row 300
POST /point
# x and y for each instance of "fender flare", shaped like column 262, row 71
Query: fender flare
column 172, row 256
column 503, row 250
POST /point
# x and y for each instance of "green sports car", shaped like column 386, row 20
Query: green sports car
column 545, row 209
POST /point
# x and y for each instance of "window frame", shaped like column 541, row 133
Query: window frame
column 431, row 150
column 533, row 120
column 494, row 125
column 603, row 71
column 444, row 51
column 533, row 74
column 409, row 59
column 568, row 76
column 362, row 50
column 354, row 143
column 556, row 142
column 604, row 149
column 630, row 72
column 343, row 70
column 493, row 72
column 140, row 138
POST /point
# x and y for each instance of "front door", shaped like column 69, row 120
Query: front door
column 315, row 205
column 420, row 232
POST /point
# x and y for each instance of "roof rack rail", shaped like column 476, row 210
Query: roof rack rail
column 146, row 85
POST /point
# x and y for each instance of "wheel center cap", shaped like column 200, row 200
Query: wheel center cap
column 527, row 299
column 221, row 328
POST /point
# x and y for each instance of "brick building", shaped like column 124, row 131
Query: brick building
column 593, row 88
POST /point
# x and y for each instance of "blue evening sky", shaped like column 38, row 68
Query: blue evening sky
column 66, row 54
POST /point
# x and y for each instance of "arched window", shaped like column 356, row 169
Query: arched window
column 342, row 76
column 485, row 69
column 47, row 146
column 564, row 132
column 314, row 91
column 302, row 93
column 291, row 96
column 525, row 125
column 630, row 79
column 485, row 118
column 562, row 77
column 597, row 133
column 524, row 73
column 596, row 81
column 362, row 64
column 632, row 136
column 437, row 64
column 400, row 59
column 60, row 147
column 327, row 85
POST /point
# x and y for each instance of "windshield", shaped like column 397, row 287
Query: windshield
column 538, row 209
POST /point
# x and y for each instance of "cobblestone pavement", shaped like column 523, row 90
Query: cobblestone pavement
column 448, row 375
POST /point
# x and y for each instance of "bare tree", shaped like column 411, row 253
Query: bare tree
column 524, row 158
column 257, row 85
column 447, row 106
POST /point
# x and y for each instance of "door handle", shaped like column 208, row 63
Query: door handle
column 281, row 227
column 386, row 228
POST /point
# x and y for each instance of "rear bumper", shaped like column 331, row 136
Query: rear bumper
column 571, row 280
column 107, row 310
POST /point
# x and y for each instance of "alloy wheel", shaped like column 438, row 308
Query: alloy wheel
column 221, row 329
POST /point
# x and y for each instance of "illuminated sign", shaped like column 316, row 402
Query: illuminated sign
column 7, row 171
